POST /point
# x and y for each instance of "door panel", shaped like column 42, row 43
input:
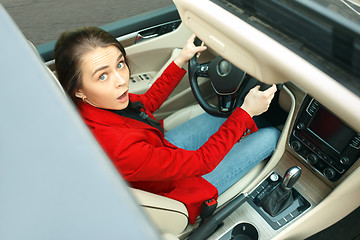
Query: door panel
column 153, row 56
column 148, row 33
column 124, row 27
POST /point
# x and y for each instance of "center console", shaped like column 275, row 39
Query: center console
column 324, row 141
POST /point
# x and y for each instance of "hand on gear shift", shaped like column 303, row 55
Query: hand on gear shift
column 280, row 197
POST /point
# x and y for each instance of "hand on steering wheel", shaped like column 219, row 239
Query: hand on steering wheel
column 257, row 102
column 229, row 82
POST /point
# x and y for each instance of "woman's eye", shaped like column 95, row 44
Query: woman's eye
column 120, row 65
column 103, row 77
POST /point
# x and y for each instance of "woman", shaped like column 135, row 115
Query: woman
column 93, row 69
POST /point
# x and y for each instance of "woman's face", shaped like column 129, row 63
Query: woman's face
column 105, row 78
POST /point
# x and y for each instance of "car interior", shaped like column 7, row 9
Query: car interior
column 316, row 161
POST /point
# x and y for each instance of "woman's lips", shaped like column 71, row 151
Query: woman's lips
column 123, row 98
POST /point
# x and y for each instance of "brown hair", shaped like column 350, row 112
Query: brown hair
column 69, row 49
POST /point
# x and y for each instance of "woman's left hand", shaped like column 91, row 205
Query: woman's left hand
column 188, row 51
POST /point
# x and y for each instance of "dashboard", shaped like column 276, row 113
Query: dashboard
column 321, row 133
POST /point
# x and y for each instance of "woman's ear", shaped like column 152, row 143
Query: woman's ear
column 79, row 94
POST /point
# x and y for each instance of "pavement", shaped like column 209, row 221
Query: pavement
column 42, row 21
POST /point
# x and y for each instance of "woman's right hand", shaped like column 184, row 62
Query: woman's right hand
column 257, row 102
column 188, row 51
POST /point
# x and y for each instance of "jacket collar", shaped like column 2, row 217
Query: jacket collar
column 104, row 117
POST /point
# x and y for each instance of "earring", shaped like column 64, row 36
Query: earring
column 83, row 98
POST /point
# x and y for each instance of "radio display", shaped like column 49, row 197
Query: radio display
column 331, row 130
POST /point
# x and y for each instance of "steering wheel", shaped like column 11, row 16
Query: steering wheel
column 230, row 83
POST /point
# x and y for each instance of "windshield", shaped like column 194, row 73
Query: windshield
column 349, row 9
column 324, row 32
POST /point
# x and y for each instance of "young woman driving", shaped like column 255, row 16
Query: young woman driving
column 192, row 163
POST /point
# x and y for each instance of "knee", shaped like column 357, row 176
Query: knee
column 270, row 135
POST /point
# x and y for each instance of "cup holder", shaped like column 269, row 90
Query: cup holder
column 244, row 231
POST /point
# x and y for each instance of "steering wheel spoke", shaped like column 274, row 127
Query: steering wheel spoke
column 226, row 103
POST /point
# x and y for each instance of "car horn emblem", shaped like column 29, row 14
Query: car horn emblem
column 224, row 67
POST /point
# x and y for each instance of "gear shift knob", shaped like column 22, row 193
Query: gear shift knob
column 291, row 176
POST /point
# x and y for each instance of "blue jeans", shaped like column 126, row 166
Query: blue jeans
column 242, row 157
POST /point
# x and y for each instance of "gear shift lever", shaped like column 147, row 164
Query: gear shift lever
column 291, row 176
column 278, row 196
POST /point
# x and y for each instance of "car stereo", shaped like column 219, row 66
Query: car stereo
column 324, row 141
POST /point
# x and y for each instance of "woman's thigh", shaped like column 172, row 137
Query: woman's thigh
column 244, row 156
column 192, row 134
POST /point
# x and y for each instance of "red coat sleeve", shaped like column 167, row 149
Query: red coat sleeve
column 162, row 87
column 144, row 155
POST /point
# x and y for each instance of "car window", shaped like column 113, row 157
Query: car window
column 43, row 21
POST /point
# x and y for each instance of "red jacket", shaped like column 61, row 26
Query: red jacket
column 149, row 162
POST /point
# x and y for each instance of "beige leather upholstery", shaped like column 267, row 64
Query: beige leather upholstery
column 170, row 216
column 182, row 116
column 47, row 69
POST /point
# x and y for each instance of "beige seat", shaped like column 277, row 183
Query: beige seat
column 168, row 215
column 182, row 116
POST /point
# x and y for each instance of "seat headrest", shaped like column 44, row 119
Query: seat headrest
column 52, row 74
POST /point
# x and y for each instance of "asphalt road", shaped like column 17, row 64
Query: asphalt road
column 43, row 20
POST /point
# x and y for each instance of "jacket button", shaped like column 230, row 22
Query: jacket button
column 247, row 131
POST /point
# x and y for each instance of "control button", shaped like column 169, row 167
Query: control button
column 204, row 68
column 274, row 177
column 312, row 107
column 329, row 173
column 288, row 218
column 355, row 143
column 312, row 158
column 282, row 222
column 295, row 145
column 344, row 161
column 295, row 213
column 300, row 126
